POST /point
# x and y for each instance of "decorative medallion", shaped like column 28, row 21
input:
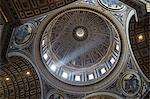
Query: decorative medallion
column 80, row 46
column 56, row 96
column 23, row 34
column 112, row 4
column 130, row 84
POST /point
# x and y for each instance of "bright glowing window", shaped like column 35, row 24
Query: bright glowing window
column 53, row 67
column 148, row 7
column 43, row 42
column 77, row 78
column 117, row 47
column 45, row 56
column 65, row 75
column 103, row 70
column 112, row 60
column 91, row 76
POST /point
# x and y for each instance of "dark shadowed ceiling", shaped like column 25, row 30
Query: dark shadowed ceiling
column 29, row 8
column 141, row 48
column 19, row 80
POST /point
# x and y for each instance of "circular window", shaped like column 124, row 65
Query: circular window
column 80, row 46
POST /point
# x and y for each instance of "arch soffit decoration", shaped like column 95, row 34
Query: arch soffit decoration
column 25, row 56
column 130, row 15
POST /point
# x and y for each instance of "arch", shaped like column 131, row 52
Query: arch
column 130, row 15
column 23, row 55
column 105, row 94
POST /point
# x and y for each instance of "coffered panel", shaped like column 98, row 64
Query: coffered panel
column 29, row 8
column 140, row 41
